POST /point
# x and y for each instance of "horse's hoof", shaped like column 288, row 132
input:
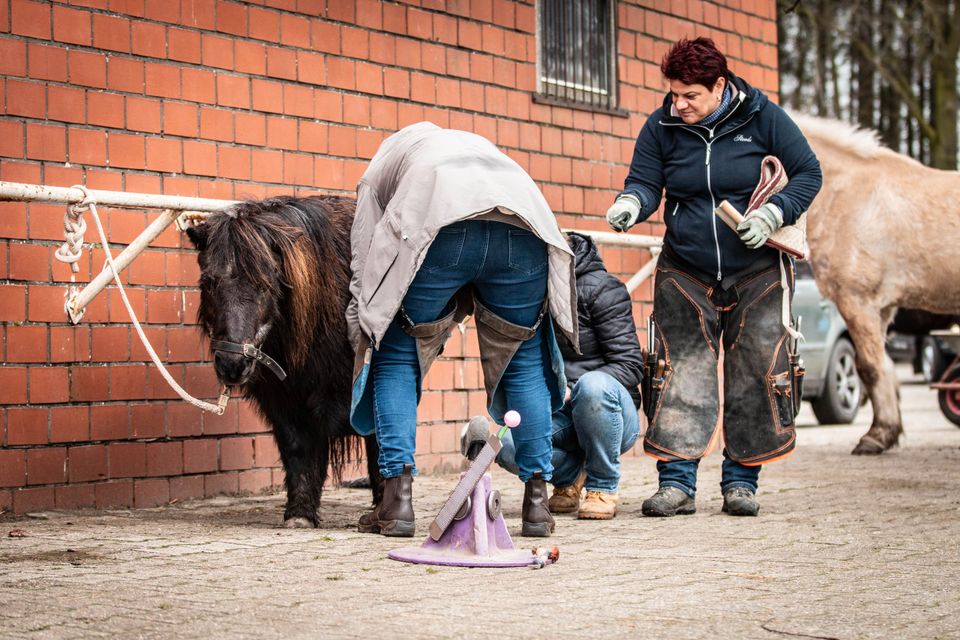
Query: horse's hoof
column 868, row 447
column 297, row 523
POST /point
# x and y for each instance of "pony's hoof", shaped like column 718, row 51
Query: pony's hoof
column 868, row 447
column 298, row 523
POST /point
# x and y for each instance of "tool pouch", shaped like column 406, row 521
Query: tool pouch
column 652, row 385
column 781, row 386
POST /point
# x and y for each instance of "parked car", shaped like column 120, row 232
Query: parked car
column 831, row 385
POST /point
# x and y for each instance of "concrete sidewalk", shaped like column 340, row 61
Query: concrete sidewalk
column 845, row 547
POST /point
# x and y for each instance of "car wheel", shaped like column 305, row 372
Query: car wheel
column 840, row 400
column 950, row 398
column 932, row 362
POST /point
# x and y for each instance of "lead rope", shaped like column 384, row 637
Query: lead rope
column 69, row 252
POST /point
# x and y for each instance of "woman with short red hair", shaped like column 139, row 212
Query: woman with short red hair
column 717, row 289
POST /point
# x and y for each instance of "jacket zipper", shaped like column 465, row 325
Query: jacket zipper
column 713, row 200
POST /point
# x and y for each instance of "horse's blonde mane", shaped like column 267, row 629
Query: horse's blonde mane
column 864, row 143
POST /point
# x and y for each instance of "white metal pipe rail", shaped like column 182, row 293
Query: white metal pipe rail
column 173, row 206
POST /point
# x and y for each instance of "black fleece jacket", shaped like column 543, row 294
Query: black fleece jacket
column 608, row 335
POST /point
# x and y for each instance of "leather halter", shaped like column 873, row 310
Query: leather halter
column 250, row 352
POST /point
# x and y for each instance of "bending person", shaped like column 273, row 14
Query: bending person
column 447, row 225
column 715, row 290
column 599, row 420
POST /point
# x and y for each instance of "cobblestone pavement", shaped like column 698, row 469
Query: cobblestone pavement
column 845, row 547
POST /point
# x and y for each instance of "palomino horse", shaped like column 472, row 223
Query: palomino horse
column 884, row 232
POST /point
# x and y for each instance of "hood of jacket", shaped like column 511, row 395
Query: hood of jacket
column 586, row 255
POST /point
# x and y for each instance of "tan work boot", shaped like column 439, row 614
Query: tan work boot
column 567, row 499
column 599, row 506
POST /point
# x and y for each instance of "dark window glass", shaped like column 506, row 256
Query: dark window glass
column 577, row 61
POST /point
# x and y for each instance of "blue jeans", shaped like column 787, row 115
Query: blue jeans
column 508, row 267
column 590, row 431
column 682, row 474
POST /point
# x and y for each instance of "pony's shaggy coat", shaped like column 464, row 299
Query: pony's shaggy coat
column 276, row 273
column 884, row 232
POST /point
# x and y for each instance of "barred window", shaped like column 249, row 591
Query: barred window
column 577, row 61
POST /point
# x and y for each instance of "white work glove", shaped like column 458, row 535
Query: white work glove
column 623, row 213
column 759, row 224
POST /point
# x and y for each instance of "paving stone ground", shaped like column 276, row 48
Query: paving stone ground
column 845, row 547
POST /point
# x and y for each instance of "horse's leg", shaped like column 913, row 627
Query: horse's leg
column 373, row 468
column 867, row 329
column 299, row 456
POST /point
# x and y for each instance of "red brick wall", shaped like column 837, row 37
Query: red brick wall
column 228, row 99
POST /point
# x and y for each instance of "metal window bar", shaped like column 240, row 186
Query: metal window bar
column 201, row 207
column 576, row 61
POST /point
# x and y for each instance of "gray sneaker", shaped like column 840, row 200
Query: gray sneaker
column 669, row 501
column 740, row 501
column 473, row 436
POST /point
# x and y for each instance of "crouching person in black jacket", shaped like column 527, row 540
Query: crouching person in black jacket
column 598, row 420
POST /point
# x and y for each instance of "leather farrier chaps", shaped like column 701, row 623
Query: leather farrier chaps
column 693, row 313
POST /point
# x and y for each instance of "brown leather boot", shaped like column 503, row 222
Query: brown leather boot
column 537, row 521
column 394, row 515
column 567, row 499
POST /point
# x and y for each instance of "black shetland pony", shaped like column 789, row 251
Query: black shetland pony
column 274, row 286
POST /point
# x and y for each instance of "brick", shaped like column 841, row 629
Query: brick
column 105, row 109
column 26, row 99
column 231, row 18
column 233, row 162
column 69, row 344
column 180, row 119
column 69, row 424
column 13, row 305
column 396, row 83
column 87, row 69
column 126, row 74
column 341, row 73
column 46, row 466
column 312, row 138
column 199, row 85
column 74, row 497
column 26, row 426
column 89, row 384
column 328, row 173
column 37, row 499
column 150, row 493
column 220, row 484
column 148, row 39
column 251, row 128
column 216, row 124
column 200, row 456
column 216, row 51
column 328, row 105
column 183, row 45
column 250, row 57
column 162, row 80
column 114, row 494
column 267, row 96
column 126, row 151
column 128, row 382
column 255, row 481
column 26, row 344
column 264, row 24
column 236, row 454
column 233, row 91
column 13, row 468
column 30, row 18
column 185, row 488
column 198, row 13
column 297, row 169
column 12, row 140
column 147, row 420
column 164, row 154
column 71, row 25
column 126, row 459
column 267, row 166
column 298, row 101
column 49, row 384
column 281, row 63
column 282, row 133
column 143, row 114
column 45, row 63
column 110, row 344
column 29, row 262
column 223, row 424
column 111, row 33
column 199, row 158
column 13, row 385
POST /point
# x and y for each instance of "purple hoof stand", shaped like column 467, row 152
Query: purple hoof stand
column 476, row 541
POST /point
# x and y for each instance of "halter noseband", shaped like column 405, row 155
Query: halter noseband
column 250, row 352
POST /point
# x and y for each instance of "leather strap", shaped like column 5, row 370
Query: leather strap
column 251, row 352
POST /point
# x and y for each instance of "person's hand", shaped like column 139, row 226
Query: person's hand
column 566, row 396
column 624, row 212
column 759, row 224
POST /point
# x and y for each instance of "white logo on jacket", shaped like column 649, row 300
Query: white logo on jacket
column 743, row 138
